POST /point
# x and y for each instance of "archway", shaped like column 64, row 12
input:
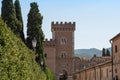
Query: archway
column 63, row 76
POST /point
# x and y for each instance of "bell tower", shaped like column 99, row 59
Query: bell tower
column 63, row 34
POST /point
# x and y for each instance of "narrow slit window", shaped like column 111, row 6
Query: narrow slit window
column 116, row 48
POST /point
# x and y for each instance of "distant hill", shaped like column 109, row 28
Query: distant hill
column 88, row 53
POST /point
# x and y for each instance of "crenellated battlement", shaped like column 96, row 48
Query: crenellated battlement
column 63, row 26
column 62, row 23
column 49, row 43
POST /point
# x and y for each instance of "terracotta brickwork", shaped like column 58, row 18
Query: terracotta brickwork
column 60, row 49
column 50, row 53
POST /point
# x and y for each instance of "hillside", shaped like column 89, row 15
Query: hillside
column 88, row 53
column 17, row 62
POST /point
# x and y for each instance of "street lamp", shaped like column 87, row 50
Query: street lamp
column 42, row 64
column 34, row 42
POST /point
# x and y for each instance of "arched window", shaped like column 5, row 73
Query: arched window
column 63, row 40
column 63, row 55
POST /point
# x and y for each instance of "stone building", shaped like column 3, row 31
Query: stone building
column 99, row 68
column 59, row 52
column 102, row 68
column 60, row 49
column 115, row 41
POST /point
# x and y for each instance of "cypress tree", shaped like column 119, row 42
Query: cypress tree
column 34, row 30
column 19, row 18
column 9, row 16
column 103, row 52
column 107, row 53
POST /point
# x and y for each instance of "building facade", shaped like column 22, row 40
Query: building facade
column 101, row 71
column 60, row 49
column 59, row 52
column 115, row 41
column 101, row 68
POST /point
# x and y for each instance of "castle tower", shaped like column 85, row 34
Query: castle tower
column 63, row 34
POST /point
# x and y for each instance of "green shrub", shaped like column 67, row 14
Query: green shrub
column 17, row 62
column 50, row 75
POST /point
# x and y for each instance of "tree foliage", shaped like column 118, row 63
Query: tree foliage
column 105, row 52
column 17, row 62
column 34, row 30
column 49, row 74
column 8, row 14
column 19, row 18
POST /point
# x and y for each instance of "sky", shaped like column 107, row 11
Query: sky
column 97, row 21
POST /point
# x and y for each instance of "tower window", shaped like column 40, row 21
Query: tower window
column 63, row 55
column 63, row 41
